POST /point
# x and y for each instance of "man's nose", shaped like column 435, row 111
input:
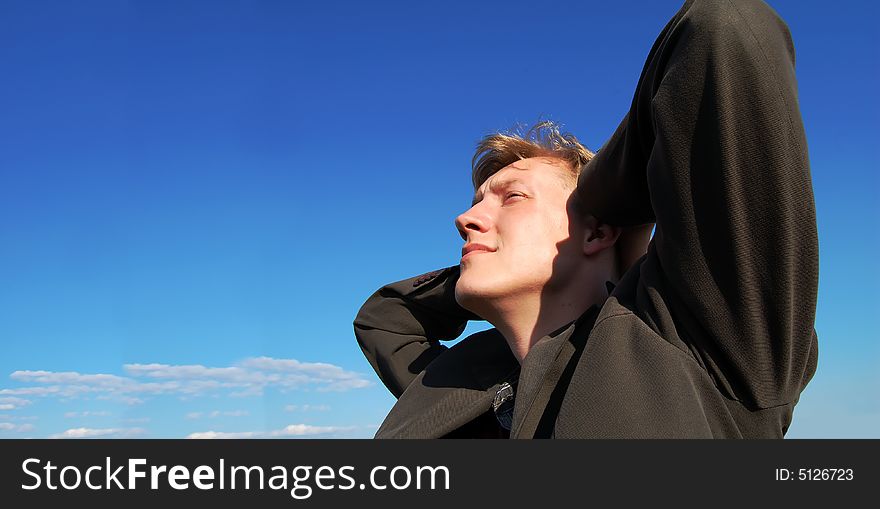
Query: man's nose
column 471, row 220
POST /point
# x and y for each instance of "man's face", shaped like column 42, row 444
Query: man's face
column 518, row 234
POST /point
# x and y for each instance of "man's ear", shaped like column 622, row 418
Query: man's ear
column 599, row 236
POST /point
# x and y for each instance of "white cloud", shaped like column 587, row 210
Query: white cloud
column 320, row 369
column 98, row 433
column 229, row 413
column 10, row 417
column 13, row 403
column 332, row 378
column 18, row 428
column 293, row 430
column 345, row 385
column 250, row 377
column 186, row 372
column 32, row 391
column 87, row 413
column 217, row 413
column 221, row 434
column 68, row 378
column 307, row 408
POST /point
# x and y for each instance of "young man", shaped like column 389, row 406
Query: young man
column 708, row 335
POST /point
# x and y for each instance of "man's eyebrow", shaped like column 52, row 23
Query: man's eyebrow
column 494, row 186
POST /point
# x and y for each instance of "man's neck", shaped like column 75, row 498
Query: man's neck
column 524, row 320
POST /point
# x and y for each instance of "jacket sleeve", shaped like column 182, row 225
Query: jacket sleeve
column 713, row 150
column 399, row 328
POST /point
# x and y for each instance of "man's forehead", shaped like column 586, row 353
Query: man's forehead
column 508, row 172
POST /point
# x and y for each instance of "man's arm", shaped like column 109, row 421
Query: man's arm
column 399, row 328
column 713, row 150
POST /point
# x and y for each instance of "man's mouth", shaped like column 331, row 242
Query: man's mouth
column 473, row 248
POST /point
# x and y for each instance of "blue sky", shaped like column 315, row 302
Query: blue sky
column 196, row 197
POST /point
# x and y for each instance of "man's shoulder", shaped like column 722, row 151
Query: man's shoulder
column 489, row 342
column 488, row 346
column 453, row 390
column 480, row 360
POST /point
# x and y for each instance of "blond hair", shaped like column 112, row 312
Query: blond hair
column 544, row 139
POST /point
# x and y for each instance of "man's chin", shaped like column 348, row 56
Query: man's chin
column 474, row 298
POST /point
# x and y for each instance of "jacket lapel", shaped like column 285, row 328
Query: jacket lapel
column 433, row 412
column 454, row 389
column 547, row 370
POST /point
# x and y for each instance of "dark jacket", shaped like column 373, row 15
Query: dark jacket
column 709, row 335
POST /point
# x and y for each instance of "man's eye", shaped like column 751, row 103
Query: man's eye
column 514, row 196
